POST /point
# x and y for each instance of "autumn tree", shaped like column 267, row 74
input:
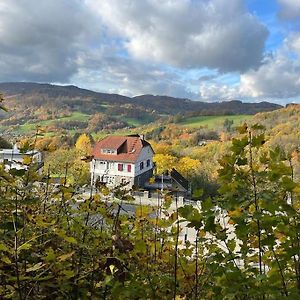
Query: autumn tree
column 84, row 144
column 164, row 162
column 251, row 231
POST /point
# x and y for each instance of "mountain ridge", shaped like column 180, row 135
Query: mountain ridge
column 159, row 103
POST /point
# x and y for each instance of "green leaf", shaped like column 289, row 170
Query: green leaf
column 35, row 267
column 6, row 259
column 66, row 256
column 197, row 193
column 231, row 245
column 258, row 140
column 186, row 211
column 140, row 246
column 25, row 246
column 16, row 172
column 258, row 127
column 50, row 255
column 207, row 204
column 4, row 248
column 68, row 273
column 238, row 145
column 210, row 224
column 242, row 129
column 70, row 239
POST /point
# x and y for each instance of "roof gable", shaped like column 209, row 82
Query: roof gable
column 128, row 148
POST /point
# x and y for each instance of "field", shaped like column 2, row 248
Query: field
column 29, row 127
column 212, row 122
column 209, row 122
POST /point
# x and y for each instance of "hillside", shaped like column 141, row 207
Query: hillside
column 282, row 126
column 73, row 108
column 34, row 93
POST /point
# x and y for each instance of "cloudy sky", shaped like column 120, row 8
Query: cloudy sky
column 204, row 50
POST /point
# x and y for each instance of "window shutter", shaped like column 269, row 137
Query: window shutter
column 129, row 168
column 120, row 167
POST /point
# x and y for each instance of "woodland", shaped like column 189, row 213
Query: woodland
column 56, row 243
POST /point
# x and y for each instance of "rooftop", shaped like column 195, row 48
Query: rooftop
column 128, row 148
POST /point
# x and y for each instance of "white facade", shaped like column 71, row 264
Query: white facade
column 115, row 172
column 13, row 158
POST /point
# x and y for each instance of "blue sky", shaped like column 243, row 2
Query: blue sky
column 205, row 50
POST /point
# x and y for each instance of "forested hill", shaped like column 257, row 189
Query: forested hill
column 282, row 126
column 74, row 98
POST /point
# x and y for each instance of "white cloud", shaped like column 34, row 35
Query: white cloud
column 171, row 47
column 214, row 91
column 40, row 40
column 217, row 34
column 276, row 80
column 290, row 9
column 129, row 77
column 279, row 76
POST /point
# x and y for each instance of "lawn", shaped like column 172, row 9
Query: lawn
column 213, row 121
column 75, row 116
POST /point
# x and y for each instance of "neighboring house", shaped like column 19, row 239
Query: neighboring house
column 172, row 181
column 14, row 159
column 122, row 160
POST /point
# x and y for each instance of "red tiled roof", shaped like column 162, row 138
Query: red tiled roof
column 112, row 142
column 128, row 147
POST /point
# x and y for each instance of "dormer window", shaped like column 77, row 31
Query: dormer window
column 109, row 151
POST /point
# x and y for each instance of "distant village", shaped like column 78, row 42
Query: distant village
column 125, row 161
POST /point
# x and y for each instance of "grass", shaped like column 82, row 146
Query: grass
column 212, row 122
column 75, row 116
column 133, row 122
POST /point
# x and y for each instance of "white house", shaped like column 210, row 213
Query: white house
column 122, row 159
column 14, row 159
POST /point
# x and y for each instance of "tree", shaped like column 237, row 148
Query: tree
column 228, row 125
column 188, row 167
column 252, row 230
column 4, row 144
column 2, row 107
column 164, row 162
column 84, row 144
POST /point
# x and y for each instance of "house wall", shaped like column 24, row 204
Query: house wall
column 107, row 171
column 141, row 179
column 111, row 168
column 145, row 154
column 15, row 160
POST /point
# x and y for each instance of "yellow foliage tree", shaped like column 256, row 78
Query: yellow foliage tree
column 165, row 162
column 188, row 167
column 84, row 144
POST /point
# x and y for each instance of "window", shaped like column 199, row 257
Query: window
column 148, row 162
column 129, row 168
column 141, row 165
column 108, row 151
column 120, row 167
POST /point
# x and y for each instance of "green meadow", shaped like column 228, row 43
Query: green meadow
column 214, row 121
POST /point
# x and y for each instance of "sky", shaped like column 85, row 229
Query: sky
column 205, row 50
